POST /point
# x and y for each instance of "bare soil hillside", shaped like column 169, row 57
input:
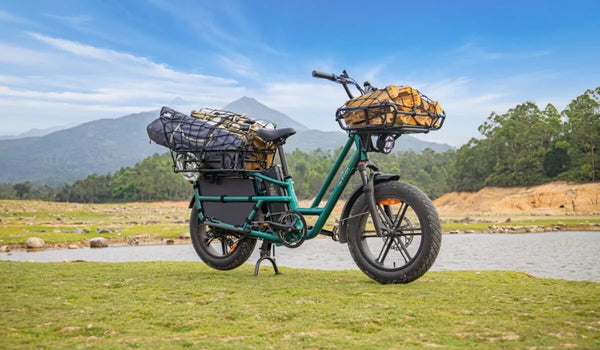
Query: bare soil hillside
column 556, row 198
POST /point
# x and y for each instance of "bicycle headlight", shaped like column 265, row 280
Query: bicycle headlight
column 385, row 143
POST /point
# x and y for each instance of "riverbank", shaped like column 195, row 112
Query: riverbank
column 562, row 255
column 179, row 304
column 61, row 225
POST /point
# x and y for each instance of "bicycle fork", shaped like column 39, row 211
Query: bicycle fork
column 368, row 181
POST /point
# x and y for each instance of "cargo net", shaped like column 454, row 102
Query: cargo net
column 394, row 109
column 213, row 140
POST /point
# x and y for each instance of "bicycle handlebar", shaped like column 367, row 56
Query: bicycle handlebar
column 322, row 75
column 343, row 79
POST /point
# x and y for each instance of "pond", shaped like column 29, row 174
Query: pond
column 564, row 255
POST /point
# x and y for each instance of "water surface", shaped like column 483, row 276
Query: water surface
column 564, row 255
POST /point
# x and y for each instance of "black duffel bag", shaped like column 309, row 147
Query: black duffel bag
column 213, row 146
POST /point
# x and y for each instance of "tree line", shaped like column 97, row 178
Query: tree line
column 529, row 146
column 522, row 147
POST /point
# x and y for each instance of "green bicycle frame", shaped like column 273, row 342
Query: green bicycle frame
column 322, row 213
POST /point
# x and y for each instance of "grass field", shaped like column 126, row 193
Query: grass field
column 188, row 305
column 55, row 222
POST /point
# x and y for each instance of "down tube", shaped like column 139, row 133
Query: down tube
column 335, row 195
column 333, row 172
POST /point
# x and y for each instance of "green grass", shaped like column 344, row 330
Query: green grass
column 179, row 305
column 20, row 220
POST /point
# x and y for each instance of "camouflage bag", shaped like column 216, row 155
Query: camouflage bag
column 260, row 153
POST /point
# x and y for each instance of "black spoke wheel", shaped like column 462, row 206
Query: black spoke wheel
column 409, row 238
column 218, row 248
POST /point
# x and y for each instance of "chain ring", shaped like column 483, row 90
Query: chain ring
column 293, row 236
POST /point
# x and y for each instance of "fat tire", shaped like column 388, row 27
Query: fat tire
column 430, row 240
column 230, row 261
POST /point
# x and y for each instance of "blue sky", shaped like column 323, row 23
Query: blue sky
column 69, row 62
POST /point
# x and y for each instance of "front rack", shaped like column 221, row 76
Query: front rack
column 391, row 118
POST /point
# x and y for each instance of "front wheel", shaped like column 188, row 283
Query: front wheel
column 410, row 236
column 218, row 248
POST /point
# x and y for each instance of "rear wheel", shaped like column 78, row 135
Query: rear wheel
column 410, row 236
column 218, row 248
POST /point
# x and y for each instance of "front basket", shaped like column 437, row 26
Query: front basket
column 394, row 117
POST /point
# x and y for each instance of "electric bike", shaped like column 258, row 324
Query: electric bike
column 391, row 228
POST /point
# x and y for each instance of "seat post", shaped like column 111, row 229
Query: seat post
column 284, row 165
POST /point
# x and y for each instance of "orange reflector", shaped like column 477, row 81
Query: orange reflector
column 389, row 201
column 233, row 248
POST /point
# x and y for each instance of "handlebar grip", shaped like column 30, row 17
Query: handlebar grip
column 322, row 75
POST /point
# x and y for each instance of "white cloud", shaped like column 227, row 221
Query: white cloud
column 65, row 82
column 9, row 17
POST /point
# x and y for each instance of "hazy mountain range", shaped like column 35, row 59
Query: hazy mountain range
column 106, row 145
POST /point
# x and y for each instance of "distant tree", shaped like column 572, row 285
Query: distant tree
column 22, row 189
column 583, row 128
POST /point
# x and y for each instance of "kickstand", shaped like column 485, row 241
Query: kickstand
column 265, row 254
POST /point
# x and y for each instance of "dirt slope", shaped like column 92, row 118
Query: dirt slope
column 554, row 198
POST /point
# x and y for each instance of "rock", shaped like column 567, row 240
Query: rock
column 72, row 246
column 98, row 242
column 78, row 230
column 508, row 220
column 35, row 242
column 469, row 231
column 170, row 241
column 132, row 241
column 453, row 232
column 185, row 235
column 102, row 230
column 4, row 249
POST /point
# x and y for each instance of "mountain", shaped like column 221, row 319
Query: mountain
column 63, row 156
column 106, row 145
column 257, row 110
column 33, row 132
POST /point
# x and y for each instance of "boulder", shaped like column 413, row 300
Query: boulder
column 102, row 230
column 35, row 242
column 185, row 235
column 98, row 242
column 72, row 246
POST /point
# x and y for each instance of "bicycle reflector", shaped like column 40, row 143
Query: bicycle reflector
column 385, row 143
column 389, row 201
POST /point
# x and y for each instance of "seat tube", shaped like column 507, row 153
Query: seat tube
column 284, row 164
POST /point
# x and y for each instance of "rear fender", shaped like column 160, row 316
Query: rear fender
column 378, row 178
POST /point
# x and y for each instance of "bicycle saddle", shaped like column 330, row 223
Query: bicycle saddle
column 277, row 136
